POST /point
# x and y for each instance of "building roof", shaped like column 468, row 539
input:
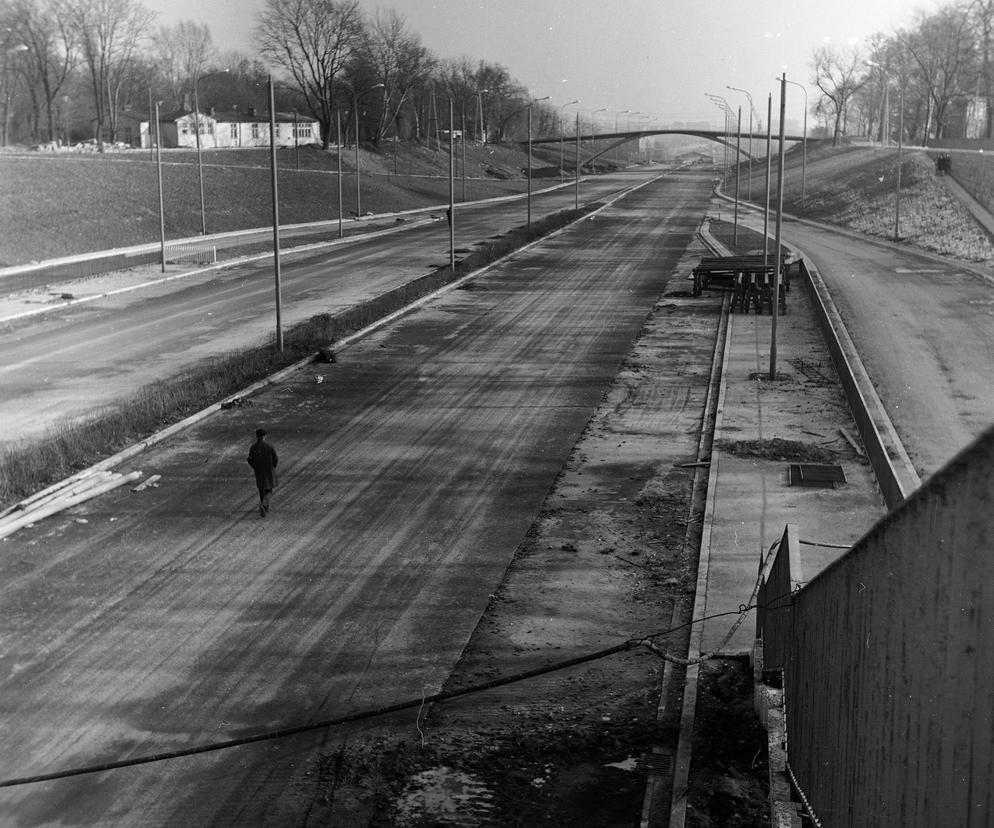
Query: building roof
column 238, row 116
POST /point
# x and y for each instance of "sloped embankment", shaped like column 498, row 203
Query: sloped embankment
column 858, row 190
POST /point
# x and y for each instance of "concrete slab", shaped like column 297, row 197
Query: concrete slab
column 750, row 500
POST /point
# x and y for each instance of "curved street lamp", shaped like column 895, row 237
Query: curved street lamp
column 562, row 177
column 751, row 107
column 355, row 107
column 276, row 214
column 593, row 120
column 726, row 109
column 528, row 172
column 646, row 119
column 479, row 124
column 804, row 140
column 200, row 163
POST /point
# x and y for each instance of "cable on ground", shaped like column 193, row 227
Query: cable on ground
column 825, row 545
column 419, row 702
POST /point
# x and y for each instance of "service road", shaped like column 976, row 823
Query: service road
column 72, row 361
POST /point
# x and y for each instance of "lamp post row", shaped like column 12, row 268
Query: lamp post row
column 274, row 180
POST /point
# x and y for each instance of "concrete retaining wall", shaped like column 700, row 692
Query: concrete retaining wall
column 887, row 662
column 972, row 167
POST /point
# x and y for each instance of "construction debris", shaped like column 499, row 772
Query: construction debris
column 61, row 496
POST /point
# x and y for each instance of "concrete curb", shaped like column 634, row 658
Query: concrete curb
column 895, row 473
column 684, row 750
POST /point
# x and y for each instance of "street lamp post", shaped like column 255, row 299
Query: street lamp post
column 885, row 138
column 158, row 175
column 576, row 175
column 593, row 129
column 738, row 167
column 777, row 257
column 562, row 176
column 338, row 140
column 804, row 140
column 751, row 108
column 200, row 163
column 593, row 120
column 769, row 151
column 647, row 119
column 900, row 148
column 628, row 128
column 355, row 108
column 480, row 131
column 276, row 215
column 462, row 143
column 452, row 191
column 616, row 115
column 726, row 110
column 528, row 172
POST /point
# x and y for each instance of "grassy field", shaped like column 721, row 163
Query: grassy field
column 55, row 205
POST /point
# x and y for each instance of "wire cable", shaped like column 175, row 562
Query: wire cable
column 824, row 545
column 420, row 701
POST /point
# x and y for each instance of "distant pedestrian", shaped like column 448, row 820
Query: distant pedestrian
column 262, row 458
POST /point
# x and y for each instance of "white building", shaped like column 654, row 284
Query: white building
column 231, row 128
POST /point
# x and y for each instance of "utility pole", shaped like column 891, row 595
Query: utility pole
column 777, row 257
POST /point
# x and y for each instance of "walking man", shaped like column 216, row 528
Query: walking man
column 262, row 458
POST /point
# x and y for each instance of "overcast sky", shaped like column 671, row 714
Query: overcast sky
column 657, row 58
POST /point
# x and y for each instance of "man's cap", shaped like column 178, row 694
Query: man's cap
column 260, row 432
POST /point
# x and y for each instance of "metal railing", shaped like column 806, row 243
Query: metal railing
column 888, row 659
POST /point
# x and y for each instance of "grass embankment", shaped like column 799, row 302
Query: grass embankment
column 54, row 205
column 856, row 188
column 28, row 468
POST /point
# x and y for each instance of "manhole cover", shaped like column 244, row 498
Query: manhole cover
column 823, row 475
column 656, row 763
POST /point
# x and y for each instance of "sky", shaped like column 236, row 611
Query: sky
column 659, row 59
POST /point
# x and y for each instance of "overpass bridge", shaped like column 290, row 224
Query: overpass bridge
column 728, row 139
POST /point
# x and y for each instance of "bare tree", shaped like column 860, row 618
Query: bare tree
column 983, row 24
column 501, row 96
column 109, row 32
column 838, row 74
column 183, row 52
column 43, row 27
column 313, row 40
column 942, row 48
column 397, row 59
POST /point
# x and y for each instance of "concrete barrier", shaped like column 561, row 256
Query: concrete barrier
column 895, row 473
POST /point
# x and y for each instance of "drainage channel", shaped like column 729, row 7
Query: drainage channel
column 668, row 767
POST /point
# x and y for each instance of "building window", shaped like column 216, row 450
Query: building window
column 255, row 130
column 303, row 131
column 234, row 130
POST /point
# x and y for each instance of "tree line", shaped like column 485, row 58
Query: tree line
column 72, row 67
column 931, row 79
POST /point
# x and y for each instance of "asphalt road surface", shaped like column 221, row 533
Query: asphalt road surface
column 410, row 471
column 925, row 331
column 73, row 361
